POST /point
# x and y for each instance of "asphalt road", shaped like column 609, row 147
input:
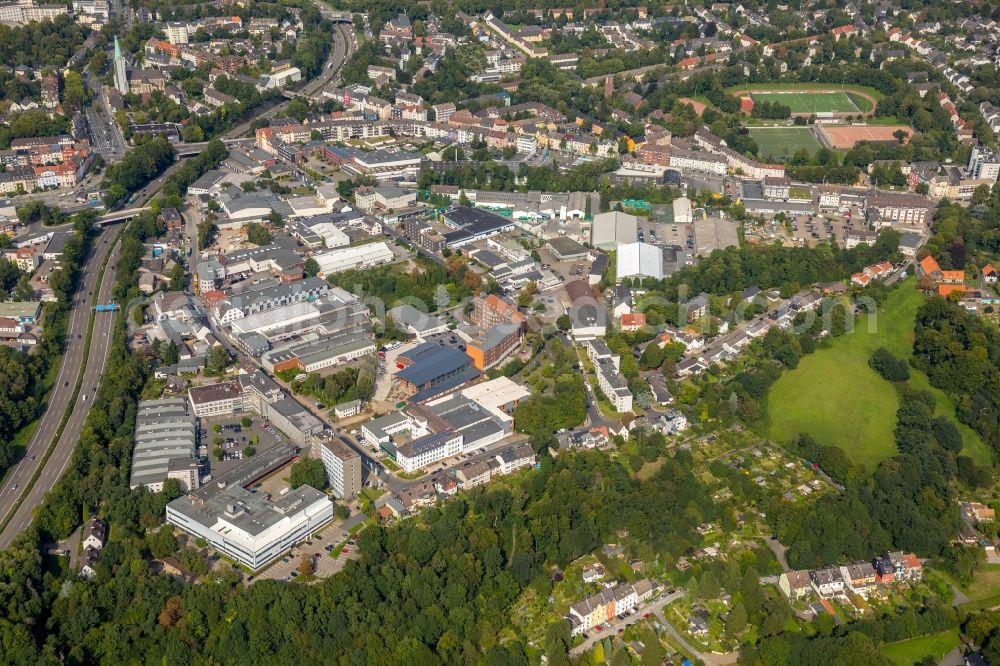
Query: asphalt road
column 73, row 358
column 343, row 47
column 611, row 628
column 88, row 295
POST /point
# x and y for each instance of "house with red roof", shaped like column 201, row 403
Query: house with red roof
column 633, row 322
column 990, row 274
column 929, row 267
column 946, row 290
column 953, row 277
column 842, row 31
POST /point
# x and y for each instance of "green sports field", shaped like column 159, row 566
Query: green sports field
column 810, row 102
column 780, row 143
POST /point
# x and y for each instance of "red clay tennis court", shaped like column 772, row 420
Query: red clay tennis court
column 846, row 136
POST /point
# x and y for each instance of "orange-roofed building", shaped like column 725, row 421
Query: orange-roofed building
column 990, row 274
column 842, row 31
column 882, row 269
column 213, row 297
column 953, row 277
column 929, row 266
column 947, row 290
column 633, row 322
column 860, row 279
column 914, row 568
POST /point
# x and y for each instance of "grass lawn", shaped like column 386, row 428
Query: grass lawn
column 649, row 469
column 909, row 652
column 834, row 396
column 809, row 102
column 984, row 592
column 736, row 90
column 780, row 143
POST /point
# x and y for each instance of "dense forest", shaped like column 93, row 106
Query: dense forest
column 356, row 382
column 558, row 399
column 494, row 177
column 427, row 591
column 961, row 354
column 856, row 643
column 788, row 270
column 42, row 42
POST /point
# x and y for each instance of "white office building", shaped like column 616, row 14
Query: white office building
column 613, row 385
column 343, row 467
column 251, row 528
column 983, row 165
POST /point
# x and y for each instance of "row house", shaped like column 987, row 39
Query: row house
column 885, row 209
column 606, row 604
column 874, row 272
column 897, row 566
column 991, row 116
column 827, row 582
column 734, row 160
column 703, row 161
column 48, row 149
column 859, row 577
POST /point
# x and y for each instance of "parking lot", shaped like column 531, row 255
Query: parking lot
column 233, row 440
column 571, row 269
column 812, row 229
column 319, row 550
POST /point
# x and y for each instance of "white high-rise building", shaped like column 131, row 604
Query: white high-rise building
column 983, row 165
column 177, row 33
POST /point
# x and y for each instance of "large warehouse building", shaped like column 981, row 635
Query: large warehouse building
column 165, row 445
column 639, row 260
column 472, row 224
column 610, row 230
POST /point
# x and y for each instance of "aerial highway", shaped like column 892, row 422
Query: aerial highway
column 75, row 355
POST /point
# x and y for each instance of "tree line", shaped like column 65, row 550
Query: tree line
column 961, row 355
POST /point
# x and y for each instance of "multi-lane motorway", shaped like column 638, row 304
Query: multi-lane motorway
column 75, row 354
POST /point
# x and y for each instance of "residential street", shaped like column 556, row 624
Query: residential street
column 779, row 551
column 611, row 628
column 711, row 658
